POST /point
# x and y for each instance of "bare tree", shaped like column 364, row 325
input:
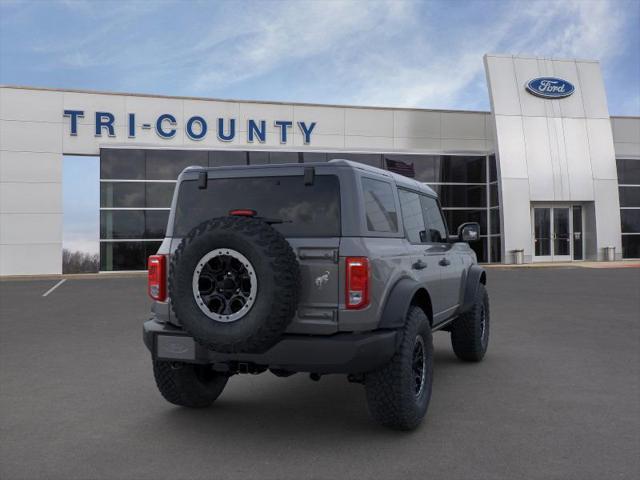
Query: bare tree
column 79, row 262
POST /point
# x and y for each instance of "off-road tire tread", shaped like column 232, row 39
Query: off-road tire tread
column 182, row 387
column 466, row 330
column 283, row 263
column 389, row 400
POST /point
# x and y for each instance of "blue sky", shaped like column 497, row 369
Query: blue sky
column 391, row 53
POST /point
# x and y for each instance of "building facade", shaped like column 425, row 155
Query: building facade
column 547, row 172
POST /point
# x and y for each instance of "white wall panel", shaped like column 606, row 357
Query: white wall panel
column 19, row 228
column 369, row 122
column 416, row 124
column 30, row 197
column 626, row 130
column 20, row 136
column 320, row 142
column 607, row 209
column 465, row 126
column 539, row 164
column 31, row 259
column 629, row 150
column 420, row 144
column 513, row 162
column 329, row 120
column 368, row 143
column 461, row 145
column 525, row 70
column 30, row 105
column 86, row 143
column 601, row 149
column 578, row 159
column 30, row 167
column 211, row 110
column 503, row 86
column 592, row 84
column 571, row 106
column 517, row 218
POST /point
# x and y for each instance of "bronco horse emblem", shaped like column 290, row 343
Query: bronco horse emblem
column 322, row 279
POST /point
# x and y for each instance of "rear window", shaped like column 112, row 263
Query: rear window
column 306, row 210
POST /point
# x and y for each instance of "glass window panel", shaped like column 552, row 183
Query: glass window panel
column 462, row 169
column 455, row 218
column 167, row 164
column 631, row 246
column 630, row 221
column 480, row 247
column 308, row 157
column 628, row 171
column 221, row 158
column 258, row 158
column 495, row 220
column 151, row 248
column 123, row 256
column 496, row 252
column 472, row 196
column 421, row 167
column 380, row 206
column 122, row 164
column 155, row 223
column 121, row 224
column 159, row 195
column 494, row 199
column 284, row 157
column 122, row 195
column 493, row 169
column 412, row 217
column 542, row 231
column 629, row 196
column 308, row 210
column 373, row 159
column 436, row 230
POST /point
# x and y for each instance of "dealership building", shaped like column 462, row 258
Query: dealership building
column 548, row 173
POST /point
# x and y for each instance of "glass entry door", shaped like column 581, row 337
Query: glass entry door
column 561, row 234
column 557, row 233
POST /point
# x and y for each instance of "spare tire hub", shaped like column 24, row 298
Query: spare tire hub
column 224, row 285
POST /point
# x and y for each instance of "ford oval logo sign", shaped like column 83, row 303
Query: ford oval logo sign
column 550, row 87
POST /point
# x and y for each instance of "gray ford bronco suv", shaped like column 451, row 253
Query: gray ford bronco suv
column 322, row 268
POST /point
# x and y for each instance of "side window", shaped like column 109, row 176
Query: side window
column 412, row 216
column 380, row 206
column 436, row 231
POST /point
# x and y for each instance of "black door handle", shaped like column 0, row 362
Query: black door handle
column 419, row 265
column 444, row 262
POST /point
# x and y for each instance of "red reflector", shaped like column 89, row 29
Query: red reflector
column 157, row 277
column 357, row 285
column 243, row 212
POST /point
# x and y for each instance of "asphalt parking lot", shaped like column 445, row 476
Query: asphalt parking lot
column 558, row 395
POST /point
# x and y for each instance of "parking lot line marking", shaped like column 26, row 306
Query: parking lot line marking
column 54, row 287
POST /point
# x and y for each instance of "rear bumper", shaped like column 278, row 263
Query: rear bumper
column 339, row 353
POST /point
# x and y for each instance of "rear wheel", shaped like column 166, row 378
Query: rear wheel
column 470, row 331
column 188, row 385
column 398, row 395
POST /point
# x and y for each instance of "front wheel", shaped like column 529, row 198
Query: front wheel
column 470, row 331
column 188, row 385
column 398, row 394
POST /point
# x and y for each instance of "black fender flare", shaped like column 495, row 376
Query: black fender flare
column 475, row 276
column 398, row 301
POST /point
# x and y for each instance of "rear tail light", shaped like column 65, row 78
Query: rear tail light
column 157, row 280
column 357, row 285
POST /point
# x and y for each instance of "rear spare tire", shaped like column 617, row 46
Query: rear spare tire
column 234, row 283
